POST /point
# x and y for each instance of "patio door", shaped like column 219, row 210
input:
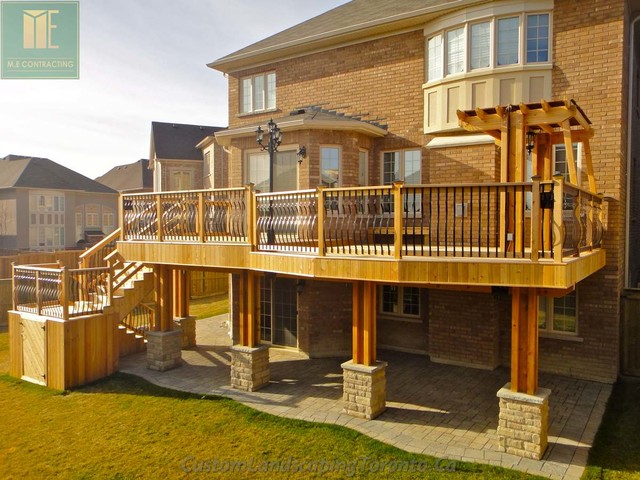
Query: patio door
column 279, row 311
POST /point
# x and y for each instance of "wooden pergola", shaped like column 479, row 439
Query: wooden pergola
column 524, row 130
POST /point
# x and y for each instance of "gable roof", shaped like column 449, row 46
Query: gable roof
column 350, row 22
column 132, row 176
column 35, row 172
column 177, row 141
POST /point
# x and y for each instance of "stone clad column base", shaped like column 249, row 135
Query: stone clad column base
column 164, row 350
column 364, row 389
column 523, row 422
column 249, row 367
column 188, row 327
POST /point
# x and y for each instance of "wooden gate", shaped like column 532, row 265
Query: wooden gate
column 631, row 333
column 34, row 351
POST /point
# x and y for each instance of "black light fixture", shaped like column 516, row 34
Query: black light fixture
column 275, row 139
column 531, row 137
column 301, row 154
column 300, row 284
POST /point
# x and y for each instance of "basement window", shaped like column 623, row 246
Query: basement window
column 559, row 314
column 396, row 300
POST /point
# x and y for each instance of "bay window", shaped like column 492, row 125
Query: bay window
column 516, row 39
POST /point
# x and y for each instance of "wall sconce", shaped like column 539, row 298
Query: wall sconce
column 302, row 153
column 300, row 284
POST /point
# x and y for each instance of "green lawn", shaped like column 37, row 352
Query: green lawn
column 124, row 427
column 206, row 307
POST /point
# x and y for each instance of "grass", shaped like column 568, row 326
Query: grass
column 616, row 450
column 206, row 307
column 123, row 427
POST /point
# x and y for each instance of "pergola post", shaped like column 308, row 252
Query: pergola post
column 364, row 380
column 524, row 407
column 164, row 344
column 249, row 360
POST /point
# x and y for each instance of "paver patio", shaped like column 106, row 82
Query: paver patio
column 449, row 412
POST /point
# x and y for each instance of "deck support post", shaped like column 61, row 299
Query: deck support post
column 249, row 360
column 181, row 317
column 524, row 407
column 364, row 380
column 164, row 345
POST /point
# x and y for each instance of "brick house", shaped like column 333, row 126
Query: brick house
column 450, row 181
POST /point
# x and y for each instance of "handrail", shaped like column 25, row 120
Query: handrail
column 61, row 293
column 519, row 220
column 181, row 192
column 105, row 241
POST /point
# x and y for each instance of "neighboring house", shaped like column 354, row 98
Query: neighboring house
column 130, row 178
column 45, row 206
column 180, row 156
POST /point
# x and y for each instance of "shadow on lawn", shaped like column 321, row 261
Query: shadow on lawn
column 616, row 449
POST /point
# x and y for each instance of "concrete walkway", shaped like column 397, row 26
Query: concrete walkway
column 439, row 410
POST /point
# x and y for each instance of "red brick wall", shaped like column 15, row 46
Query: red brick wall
column 382, row 78
column 324, row 319
column 464, row 328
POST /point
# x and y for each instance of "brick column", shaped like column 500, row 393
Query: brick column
column 249, row 367
column 364, row 389
column 188, row 327
column 164, row 350
column 523, row 422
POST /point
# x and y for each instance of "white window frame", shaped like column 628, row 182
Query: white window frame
column 549, row 316
column 401, row 173
column 363, row 167
column 400, row 303
column 338, row 148
column 437, row 72
column 262, row 93
column 470, row 49
column 578, row 147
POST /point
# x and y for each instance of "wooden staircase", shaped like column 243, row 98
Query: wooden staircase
column 132, row 288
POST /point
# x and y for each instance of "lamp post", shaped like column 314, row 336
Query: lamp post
column 274, row 140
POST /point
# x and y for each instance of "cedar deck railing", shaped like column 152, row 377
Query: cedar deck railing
column 525, row 220
column 61, row 292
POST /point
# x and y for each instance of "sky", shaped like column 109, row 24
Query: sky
column 140, row 61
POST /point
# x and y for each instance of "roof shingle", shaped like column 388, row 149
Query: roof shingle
column 35, row 172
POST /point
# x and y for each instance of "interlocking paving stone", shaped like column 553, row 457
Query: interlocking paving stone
column 439, row 410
